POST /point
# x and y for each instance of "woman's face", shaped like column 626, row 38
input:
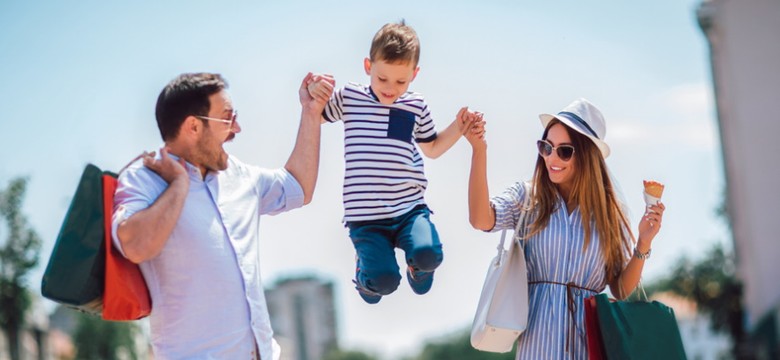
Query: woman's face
column 561, row 172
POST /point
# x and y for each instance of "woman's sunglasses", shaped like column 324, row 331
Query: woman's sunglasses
column 565, row 152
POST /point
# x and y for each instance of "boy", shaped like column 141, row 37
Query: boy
column 384, row 181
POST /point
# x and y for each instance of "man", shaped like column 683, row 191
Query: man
column 189, row 217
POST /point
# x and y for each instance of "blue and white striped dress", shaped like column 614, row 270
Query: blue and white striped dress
column 555, row 254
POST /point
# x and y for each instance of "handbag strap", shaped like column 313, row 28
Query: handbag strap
column 520, row 226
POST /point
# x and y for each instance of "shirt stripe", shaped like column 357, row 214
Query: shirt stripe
column 384, row 173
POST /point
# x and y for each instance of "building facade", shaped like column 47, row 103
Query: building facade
column 303, row 316
column 745, row 59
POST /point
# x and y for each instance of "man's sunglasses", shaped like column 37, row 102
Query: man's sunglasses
column 565, row 152
column 229, row 122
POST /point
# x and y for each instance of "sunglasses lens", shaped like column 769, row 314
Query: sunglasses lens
column 565, row 152
column 545, row 149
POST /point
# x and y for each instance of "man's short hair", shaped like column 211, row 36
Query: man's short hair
column 396, row 43
column 187, row 94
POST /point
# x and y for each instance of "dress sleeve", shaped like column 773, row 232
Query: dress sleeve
column 507, row 207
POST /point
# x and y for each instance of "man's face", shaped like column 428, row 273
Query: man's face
column 390, row 81
column 209, row 153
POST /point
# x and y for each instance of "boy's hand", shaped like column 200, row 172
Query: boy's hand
column 316, row 90
column 321, row 86
column 475, row 132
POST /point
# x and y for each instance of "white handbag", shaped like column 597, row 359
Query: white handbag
column 502, row 313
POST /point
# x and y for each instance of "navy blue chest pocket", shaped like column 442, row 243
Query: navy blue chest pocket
column 401, row 125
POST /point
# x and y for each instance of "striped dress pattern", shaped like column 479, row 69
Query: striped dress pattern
column 555, row 256
column 384, row 174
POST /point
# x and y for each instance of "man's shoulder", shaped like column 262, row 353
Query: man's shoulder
column 236, row 167
column 138, row 173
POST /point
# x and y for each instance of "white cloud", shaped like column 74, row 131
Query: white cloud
column 682, row 115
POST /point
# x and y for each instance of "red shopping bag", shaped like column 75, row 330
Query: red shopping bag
column 592, row 331
column 126, row 296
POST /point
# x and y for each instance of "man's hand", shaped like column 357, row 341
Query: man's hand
column 315, row 91
column 168, row 168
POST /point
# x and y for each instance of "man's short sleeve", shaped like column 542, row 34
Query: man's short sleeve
column 279, row 191
column 137, row 189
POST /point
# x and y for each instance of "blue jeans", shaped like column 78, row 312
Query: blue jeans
column 375, row 242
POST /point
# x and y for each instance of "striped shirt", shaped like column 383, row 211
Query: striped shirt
column 384, row 175
column 555, row 254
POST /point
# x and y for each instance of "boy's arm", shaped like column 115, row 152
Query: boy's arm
column 445, row 139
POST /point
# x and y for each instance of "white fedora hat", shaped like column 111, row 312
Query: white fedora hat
column 586, row 119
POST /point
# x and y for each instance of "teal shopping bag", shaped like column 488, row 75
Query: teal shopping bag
column 638, row 330
column 74, row 275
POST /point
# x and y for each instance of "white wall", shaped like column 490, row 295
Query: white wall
column 745, row 50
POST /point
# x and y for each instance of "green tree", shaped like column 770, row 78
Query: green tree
column 18, row 255
column 339, row 354
column 96, row 339
column 458, row 346
column 713, row 285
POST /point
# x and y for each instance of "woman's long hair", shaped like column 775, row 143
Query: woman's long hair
column 593, row 192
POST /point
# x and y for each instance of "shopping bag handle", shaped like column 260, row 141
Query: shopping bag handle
column 130, row 163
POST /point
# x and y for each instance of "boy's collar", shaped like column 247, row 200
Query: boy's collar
column 372, row 93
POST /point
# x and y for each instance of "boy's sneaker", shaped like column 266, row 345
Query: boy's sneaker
column 367, row 295
column 419, row 281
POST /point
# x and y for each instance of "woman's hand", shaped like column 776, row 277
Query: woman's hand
column 475, row 132
column 651, row 223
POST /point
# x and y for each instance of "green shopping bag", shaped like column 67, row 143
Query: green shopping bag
column 638, row 330
column 75, row 273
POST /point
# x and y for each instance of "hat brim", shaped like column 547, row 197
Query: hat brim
column 546, row 118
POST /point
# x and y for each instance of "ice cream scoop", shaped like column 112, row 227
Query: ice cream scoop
column 653, row 192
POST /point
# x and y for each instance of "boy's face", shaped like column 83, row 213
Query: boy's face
column 390, row 81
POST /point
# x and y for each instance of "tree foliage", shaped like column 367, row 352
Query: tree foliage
column 458, row 346
column 96, row 339
column 713, row 285
column 339, row 354
column 18, row 255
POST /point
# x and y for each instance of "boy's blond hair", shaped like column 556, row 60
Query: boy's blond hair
column 396, row 43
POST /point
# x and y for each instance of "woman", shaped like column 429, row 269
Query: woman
column 577, row 239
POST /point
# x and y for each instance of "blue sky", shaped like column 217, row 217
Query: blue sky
column 80, row 80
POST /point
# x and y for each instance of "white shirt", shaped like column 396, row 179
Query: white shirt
column 384, row 176
column 205, row 286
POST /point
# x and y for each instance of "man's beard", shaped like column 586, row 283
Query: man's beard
column 210, row 156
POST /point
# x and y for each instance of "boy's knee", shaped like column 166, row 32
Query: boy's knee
column 383, row 283
column 426, row 258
